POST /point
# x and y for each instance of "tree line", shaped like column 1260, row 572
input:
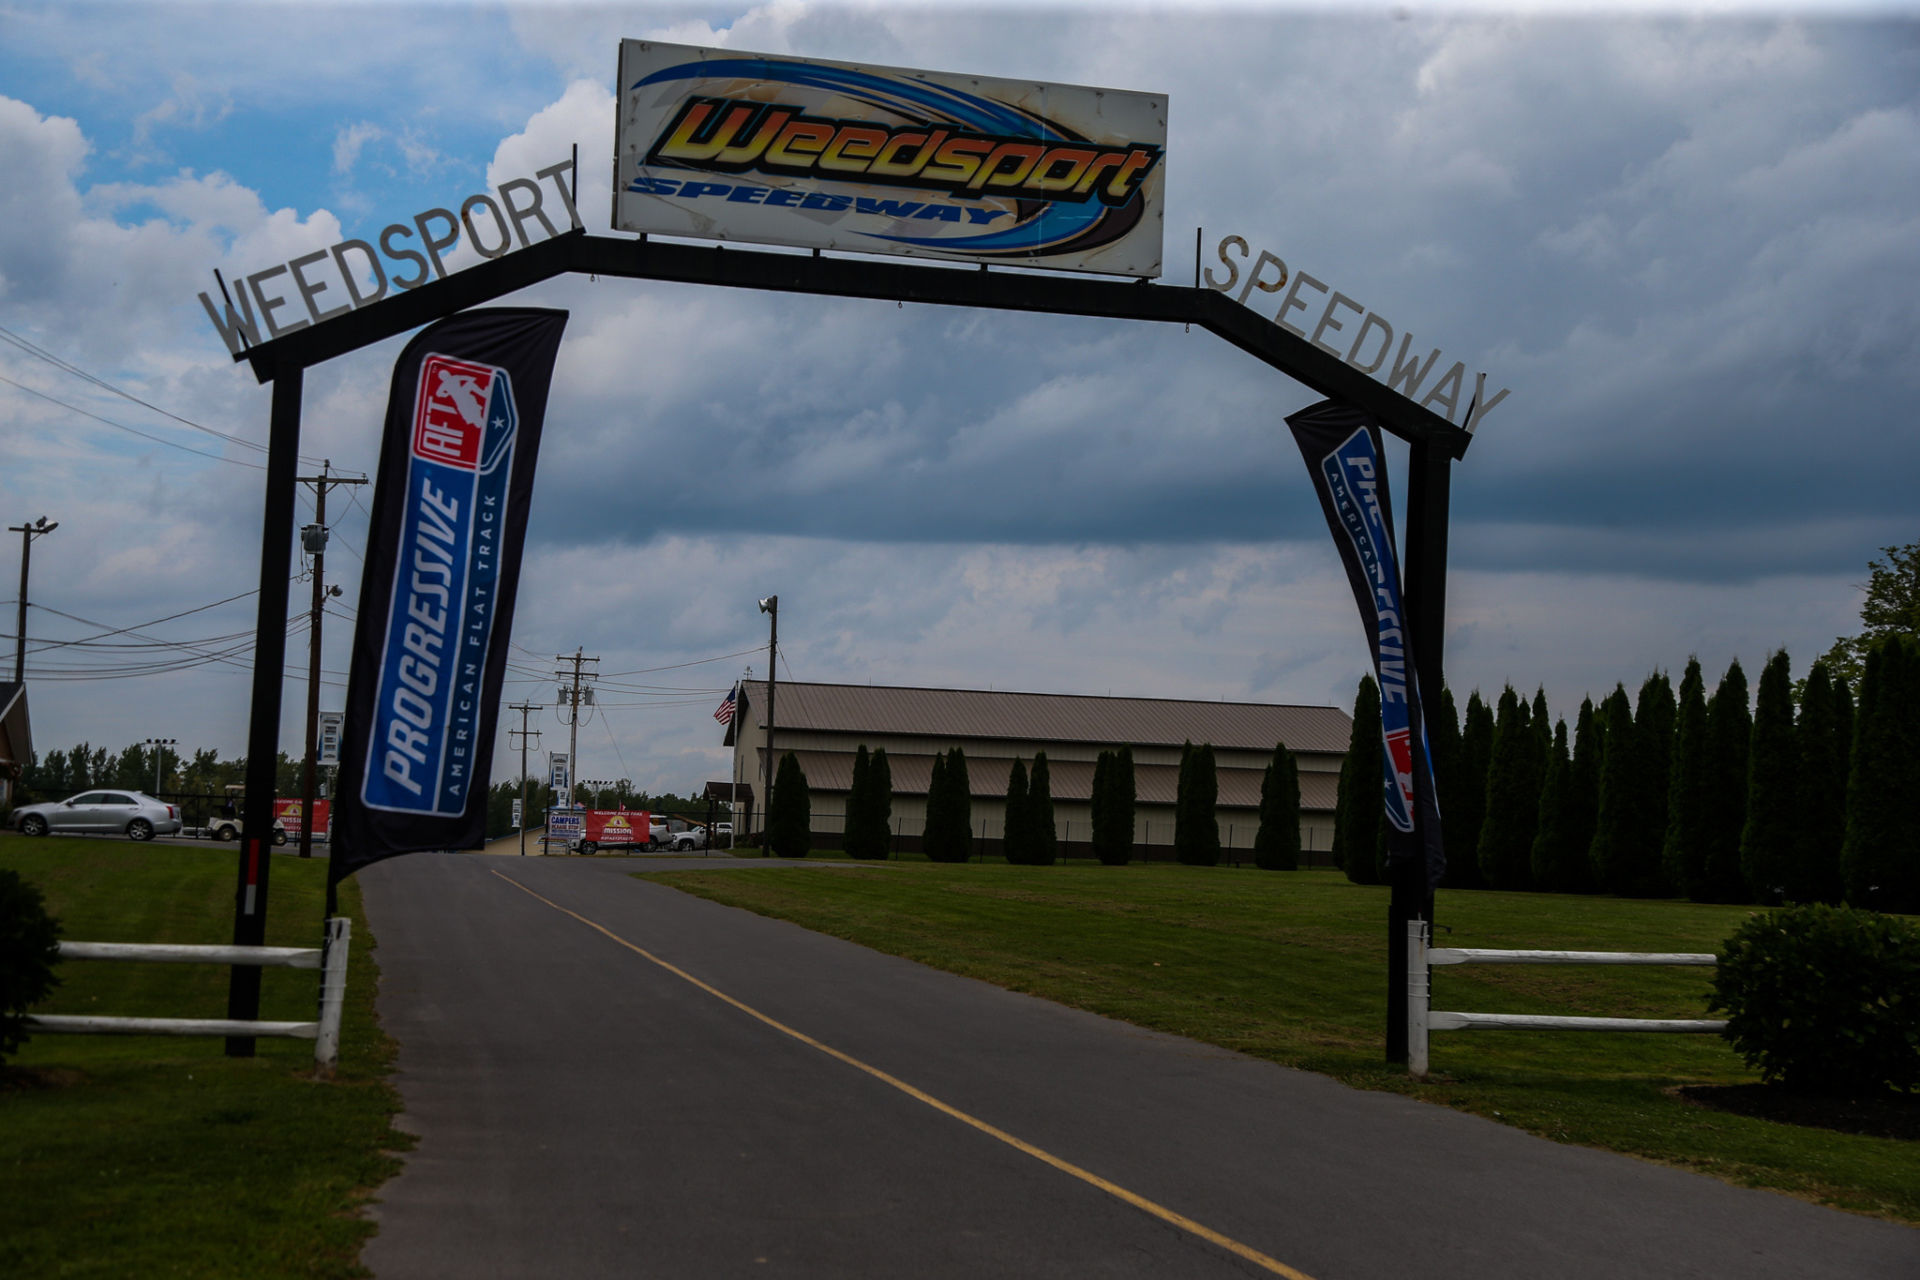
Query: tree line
column 85, row 767
column 1799, row 793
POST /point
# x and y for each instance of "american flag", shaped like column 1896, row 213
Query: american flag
column 724, row 712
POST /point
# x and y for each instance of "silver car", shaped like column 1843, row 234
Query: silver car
column 130, row 813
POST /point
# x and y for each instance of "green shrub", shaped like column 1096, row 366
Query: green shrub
column 1824, row 999
column 29, row 948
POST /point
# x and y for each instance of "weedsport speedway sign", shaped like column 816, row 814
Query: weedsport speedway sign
column 830, row 155
column 352, row 274
column 1342, row 327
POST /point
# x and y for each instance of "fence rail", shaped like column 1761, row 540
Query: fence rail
column 331, row 958
column 1421, row 1018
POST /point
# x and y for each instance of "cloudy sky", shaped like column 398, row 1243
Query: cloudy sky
column 1689, row 244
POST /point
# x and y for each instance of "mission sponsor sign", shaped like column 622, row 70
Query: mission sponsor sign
column 436, row 599
column 831, row 155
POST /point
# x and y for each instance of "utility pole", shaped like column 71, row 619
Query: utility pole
column 771, row 607
column 314, row 539
column 159, row 746
column 27, row 532
column 525, row 709
column 571, row 699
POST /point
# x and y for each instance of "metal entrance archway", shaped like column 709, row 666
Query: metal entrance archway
column 1434, row 445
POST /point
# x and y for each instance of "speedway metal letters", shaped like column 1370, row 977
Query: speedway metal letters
column 827, row 155
column 440, row 625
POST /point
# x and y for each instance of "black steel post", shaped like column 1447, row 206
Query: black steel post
column 772, row 607
column 1429, row 474
column 20, row 629
column 269, row 673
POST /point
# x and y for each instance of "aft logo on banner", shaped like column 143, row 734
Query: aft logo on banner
column 440, row 624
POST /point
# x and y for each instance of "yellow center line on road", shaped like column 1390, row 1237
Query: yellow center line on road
column 1092, row 1179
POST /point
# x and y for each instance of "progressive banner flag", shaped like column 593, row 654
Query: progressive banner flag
column 436, row 600
column 1342, row 447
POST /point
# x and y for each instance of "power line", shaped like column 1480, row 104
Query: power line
column 67, row 366
column 121, row 426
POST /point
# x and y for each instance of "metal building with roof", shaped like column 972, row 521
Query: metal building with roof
column 825, row 724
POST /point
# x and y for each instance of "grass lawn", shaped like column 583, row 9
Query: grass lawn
column 1292, row 967
column 159, row 1156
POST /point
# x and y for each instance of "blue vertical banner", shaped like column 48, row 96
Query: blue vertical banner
column 1342, row 447
column 436, row 601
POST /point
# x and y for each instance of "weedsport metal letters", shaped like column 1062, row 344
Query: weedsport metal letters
column 440, row 623
column 1351, row 473
column 356, row 275
column 828, row 155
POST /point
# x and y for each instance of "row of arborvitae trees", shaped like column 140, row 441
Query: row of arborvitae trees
column 1030, row 835
column 1794, row 797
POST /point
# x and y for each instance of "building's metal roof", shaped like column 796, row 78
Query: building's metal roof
column 832, row 771
column 955, row 714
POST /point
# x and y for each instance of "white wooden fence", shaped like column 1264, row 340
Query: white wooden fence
column 1422, row 1019
column 324, row 1033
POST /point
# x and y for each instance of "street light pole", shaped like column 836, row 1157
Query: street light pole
column 27, row 532
column 159, row 746
column 771, row 607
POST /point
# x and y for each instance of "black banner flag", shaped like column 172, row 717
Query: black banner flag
column 1342, row 448
column 436, row 600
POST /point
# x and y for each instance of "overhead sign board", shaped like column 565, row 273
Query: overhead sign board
column 831, row 155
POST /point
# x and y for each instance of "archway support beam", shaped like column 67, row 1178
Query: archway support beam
column 879, row 279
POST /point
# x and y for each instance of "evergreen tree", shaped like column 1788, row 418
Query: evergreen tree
column 1468, row 814
column 1358, row 815
column 1556, row 859
column 880, row 802
column 1196, row 830
column 1124, row 797
column 1820, row 817
column 936, row 837
column 1767, row 842
column 1583, row 796
column 1016, row 840
column 1880, row 859
column 1690, row 807
column 1513, row 797
column 1621, row 854
column 1276, row 846
column 1729, row 739
column 1042, row 838
column 1099, row 807
column 1654, row 714
column 790, row 814
column 853, row 823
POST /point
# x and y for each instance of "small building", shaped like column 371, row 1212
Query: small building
column 825, row 724
column 16, row 739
